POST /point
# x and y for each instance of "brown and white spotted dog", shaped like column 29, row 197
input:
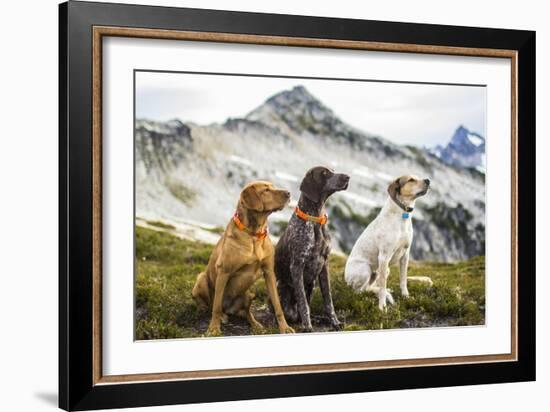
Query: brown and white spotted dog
column 301, row 255
column 386, row 241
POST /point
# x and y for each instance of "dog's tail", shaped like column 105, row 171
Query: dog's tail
column 201, row 292
column 358, row 274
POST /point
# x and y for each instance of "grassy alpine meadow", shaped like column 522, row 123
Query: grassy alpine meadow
column 167, row 267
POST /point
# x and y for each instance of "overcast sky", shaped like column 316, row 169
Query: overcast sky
column 422, row 115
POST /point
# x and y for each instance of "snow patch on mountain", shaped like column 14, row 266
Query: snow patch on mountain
column 241, row 160
column 191, row 175
column 358, row 198
column 286, row 176
column 475, row 139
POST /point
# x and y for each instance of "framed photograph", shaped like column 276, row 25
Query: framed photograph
column 256, row 205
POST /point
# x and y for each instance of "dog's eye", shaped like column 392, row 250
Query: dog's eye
column 410, row 180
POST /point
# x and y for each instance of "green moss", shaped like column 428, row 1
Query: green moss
column 160, row 224
column 350, row 214
column 180, row 191
column 167, row 268
column 218, row 230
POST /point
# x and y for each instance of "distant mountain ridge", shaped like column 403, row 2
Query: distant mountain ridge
column 189, row 174
column 466, row 149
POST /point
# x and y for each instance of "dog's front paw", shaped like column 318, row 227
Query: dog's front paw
column 286, row 329
column 256, row 326
column 405, row 293
column 307, row 329
column 385, row 297
column 214, row 330
column 335, row 323
column 336, row 326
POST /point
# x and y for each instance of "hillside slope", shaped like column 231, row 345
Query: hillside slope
column 192, row 174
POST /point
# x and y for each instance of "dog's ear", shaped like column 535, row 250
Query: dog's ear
column 394, row 188
column 310, row 188
column 251, row 199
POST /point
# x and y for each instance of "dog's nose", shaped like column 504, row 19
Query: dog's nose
column 427, row 181
column 345, row 178
column 287, row 194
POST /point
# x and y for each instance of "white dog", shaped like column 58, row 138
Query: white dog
column 386, row 241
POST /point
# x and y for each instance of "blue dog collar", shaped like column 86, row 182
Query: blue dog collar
column 405, row 215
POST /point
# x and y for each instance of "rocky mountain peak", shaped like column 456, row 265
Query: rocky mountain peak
column 297, row 93
column 298, row 110
column 466, row 140
column 465, row 149
column 298, row 100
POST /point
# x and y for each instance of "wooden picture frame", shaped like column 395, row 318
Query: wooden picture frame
column 82, row 27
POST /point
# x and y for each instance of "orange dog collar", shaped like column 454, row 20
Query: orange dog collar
column 317, row 219
column 259, row 235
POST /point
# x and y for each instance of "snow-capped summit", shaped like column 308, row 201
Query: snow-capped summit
column 466, row 149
